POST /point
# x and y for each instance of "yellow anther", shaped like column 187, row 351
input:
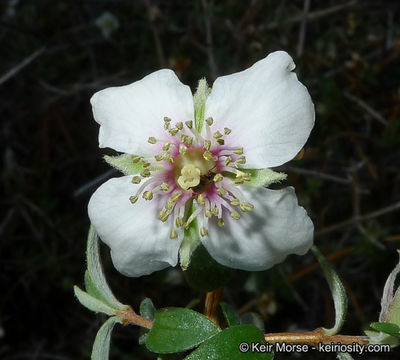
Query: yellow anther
column 163, row 216
column 221, row 141
column 175, row 197
column 166, row 146
column 145, row 164
column 136, row 159
column 200, row 199
column 221, row 191
column 238, row 181
column 221, row 222
column 207, row 144
column 209, row 121
column 238, row 151
column 209, row 213
column 218, row 177
column 167, row 119
column 227, row 131
column 182, row 149
column 235, row 215
column 164, row 186
column 203, row 231
column 208, row 155
column 173, row 131
column 133, row 199
column 217, row 135
column 179, row 125
column 189, row 140
column 179, row 222
column 148, row 195
column 169, row 204
column 152, row 140
column 215, row 211
column 173, row 234
column 169, row 158
column 159, row 157
column 189, row 124
column 228, row 160
column 136, row 179
column 145, row 173
column 235, row 202
column 241, row 160
column 246, row 207
column 183, row 138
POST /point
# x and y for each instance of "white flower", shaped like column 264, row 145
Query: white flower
column 254, row 119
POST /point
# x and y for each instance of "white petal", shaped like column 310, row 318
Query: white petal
column 276, row 228
column 139, row 242
column 269, row 111
column 130, row 114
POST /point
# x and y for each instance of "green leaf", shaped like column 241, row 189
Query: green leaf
column 147, row 309
column 230, row 314
column 199, row 100
column 264, row 177
column 377, row 337
column 101, row 346
column 95, row 280
column 92, row 303
column 124, row 163
column 390, row 302
column 179, row 329
column 337, row 290
column 225, row 345
column 251, row 318
column 387, row 328
column 204, row 273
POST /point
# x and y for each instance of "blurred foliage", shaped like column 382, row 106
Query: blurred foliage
column 57, row 53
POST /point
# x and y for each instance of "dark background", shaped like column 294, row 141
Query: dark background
column 55, row 55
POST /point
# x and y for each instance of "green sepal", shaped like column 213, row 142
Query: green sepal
column 199, row 101
column 178, row 329
column 230, row 314
column 225, row 345
column 101, row 345
column 337, row 289
column 204, row 273
column 93, row 290
column 190, row 241
column 264, row 177
column 124, row 163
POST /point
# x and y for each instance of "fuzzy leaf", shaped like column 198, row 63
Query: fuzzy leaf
column 225, row 345
column 177, row 329
column 124, row 163
column 387, row 328
column 101, row 346
column 92, row 303
column 337, row 290
column 95, row 279
column 147, row 309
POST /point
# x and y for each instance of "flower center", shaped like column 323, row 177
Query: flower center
column 190, row 166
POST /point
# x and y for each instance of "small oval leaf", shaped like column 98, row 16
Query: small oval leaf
column 101, row 346
column 92, row 303
column 177, row 329
column 230, row 314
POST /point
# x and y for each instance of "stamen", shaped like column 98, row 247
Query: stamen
column 218, row 177
column 203, row 232
column 235, row 215
column 235, row 202
column 208, row 155
column 163, row 216
column 164, row 186
column 133, row 199
column 189, row 124
column 217, row 135
column 136, row 159
column 179, row 125
column 221, row 222
column 207, row 144
column 152, row 140
column 145, row 173
column 215, row 211
column 246, row 207
column 228, row 160
column 189, row 140
column 182, row 149
column 167, row 121
column 241, row 160
column 166, row 146
column 208, row 213
column 173, row 234
column 173, row 131
column 148, row 195
column 221, row 191
column 227, row 131
column 221, row 141
column 179, row 222
column 209, row 121
column 200, row 199
column 136, row 180
column 183, row 138
column 238, row 151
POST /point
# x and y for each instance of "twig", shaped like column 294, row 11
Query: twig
column 314, row 338
column 357, row 219
column 16, row 69
column 303, row 26
column 130, row 317
column 312, row 16
column 318, row 174
column 213, row 298
column 362, row 104
column 209, row 39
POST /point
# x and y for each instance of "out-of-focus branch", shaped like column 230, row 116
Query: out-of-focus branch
column 209, row 38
